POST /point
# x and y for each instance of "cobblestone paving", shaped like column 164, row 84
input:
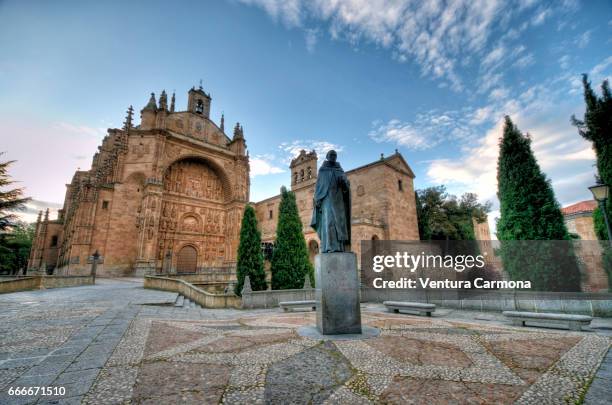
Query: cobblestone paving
column 116, row 343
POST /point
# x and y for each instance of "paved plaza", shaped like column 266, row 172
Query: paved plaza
column 117, row 343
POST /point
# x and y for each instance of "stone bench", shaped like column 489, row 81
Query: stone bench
column 574, row 322
column 287, row 305
column 421, row 308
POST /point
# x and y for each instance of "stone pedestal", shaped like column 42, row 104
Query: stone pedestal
column 337, row 293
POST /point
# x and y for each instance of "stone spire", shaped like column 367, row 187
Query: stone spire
column 152, row 104
column 238, row 131
column 172, row 100
column 163, row 101
column 47, row 215
column 222, row 122
column 127, row 124
column 39, row 217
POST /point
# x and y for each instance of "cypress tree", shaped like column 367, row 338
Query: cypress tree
column 530, row 212
column 250, row 257
column 596, row 127
column 10, row 199
column 290, row 263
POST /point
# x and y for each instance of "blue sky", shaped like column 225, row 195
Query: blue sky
column 430, row 78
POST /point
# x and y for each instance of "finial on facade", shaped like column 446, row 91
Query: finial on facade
column 163, row 101
column 396, row 151
column 238, row 131
column 222, row 122
column 200, row 84
column 382, row 156
column 172, row 100
column 127, row 124
column 152, row 104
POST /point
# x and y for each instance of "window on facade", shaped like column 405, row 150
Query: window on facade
column 309, row 173
column 54, row 241
column 400, row 185
column 271, row 214
column 302, row 175
column 295, row 177
column 104, row 205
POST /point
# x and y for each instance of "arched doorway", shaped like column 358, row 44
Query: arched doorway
column 187, row 260
column 313, row 250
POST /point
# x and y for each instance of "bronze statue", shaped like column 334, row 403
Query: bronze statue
column 331, row 216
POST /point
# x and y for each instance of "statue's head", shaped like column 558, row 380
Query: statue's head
column 331, row 156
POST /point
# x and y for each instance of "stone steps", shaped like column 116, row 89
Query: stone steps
column 186, row 303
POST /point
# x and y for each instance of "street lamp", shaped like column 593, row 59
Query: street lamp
column 600, row 194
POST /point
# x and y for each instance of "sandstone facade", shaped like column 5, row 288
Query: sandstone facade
column 165, row 195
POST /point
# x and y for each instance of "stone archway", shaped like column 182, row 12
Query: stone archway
column 187, row 260
column 194, row 212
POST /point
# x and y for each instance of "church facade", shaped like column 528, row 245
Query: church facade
column 383, row 204
column 167, row 196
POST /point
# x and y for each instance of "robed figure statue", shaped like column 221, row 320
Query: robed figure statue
column 331, row 216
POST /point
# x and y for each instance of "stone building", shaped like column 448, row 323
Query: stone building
column 168, row 196
column 579, row 221
column 165, row 195
column 382, row 198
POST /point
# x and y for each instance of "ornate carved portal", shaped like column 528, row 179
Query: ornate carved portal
column 193, row 212
column 193, row 178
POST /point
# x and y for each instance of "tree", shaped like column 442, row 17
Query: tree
column 530, row 212
column 15, row 246
column 442, row 216
column 596, row 127
column 10, row 200
column 250, row 257
column 290, row 263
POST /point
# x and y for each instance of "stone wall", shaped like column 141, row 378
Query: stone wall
column 271, row 298
column 14, row 284
column 195, row 294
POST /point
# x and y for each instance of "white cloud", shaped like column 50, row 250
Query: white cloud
column 262, row 165
column 541, row 16
column 432, row 34
column 32, row 208
column 311, row 37
column 524, row 61
column 401, row 133
column 583, row 39
column 481, row 115
column 292, row 149
column 564, row 61
column 288, row 11
column 499, row 93
column 600, row 71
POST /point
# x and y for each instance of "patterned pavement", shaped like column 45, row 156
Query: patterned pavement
column 117, row 343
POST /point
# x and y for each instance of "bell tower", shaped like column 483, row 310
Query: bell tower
column 303, row 169
column 199, row 101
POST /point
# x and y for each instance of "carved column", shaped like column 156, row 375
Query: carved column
column 148, row 224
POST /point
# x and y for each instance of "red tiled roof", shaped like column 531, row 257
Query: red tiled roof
column 582, row 206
